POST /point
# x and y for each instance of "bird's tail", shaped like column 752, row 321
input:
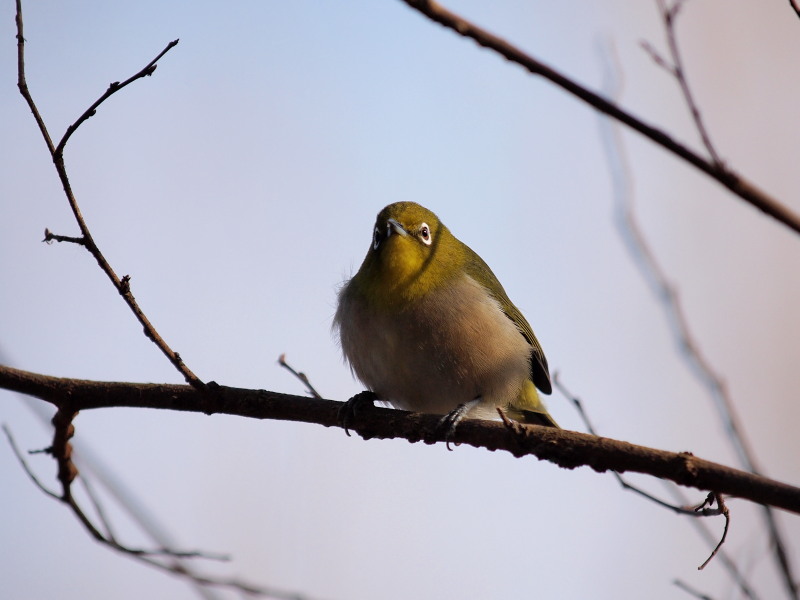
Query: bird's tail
column 529, row 408
column 538, row 418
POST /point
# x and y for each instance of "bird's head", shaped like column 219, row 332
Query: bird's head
column 411, row 253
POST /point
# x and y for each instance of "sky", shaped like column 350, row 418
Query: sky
column 238, row 187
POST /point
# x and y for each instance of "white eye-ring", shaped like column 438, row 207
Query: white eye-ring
column 376, row 238
column 425, row 234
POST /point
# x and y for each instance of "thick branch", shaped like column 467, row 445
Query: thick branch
column 567, row 449
column 736, row 184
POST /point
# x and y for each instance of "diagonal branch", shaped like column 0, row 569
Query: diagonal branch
column 567, row 449
column 113, row 88
column 300, row 375
column 746, row 190
column 691, row 591
column 86, row 239
column 665, row 292
column 795, row 7
column 669, row 14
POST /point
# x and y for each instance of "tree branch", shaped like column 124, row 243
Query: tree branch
column 669, row 14
column 300, row 375
column 164, row 559
column 567, row 449
column 113, row 88
column 86, row 239
column 795, row 7
column 669, row 300
column 746, row 190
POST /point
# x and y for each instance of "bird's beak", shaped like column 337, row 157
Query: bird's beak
column 393, row 226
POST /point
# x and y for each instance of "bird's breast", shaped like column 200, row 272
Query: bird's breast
column 437, row 351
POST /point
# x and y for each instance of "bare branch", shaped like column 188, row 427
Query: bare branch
column 721, row 509
column 691, row 591
column 25, row 466
column 795, row 7
column 669, row 15
column 301, row 376
column 568, row 449
column 744, row 189
column 682, row 510
column 689, row 349
column 113, row 88
column 50, row 237
column 155, row 557
column 703, row 510
column 22, row 83
column 86, row 239
column 701, row 526
column 657, row 58
column 61, row 450
column 98, row 508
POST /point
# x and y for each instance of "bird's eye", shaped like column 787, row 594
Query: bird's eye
column 376, row 238
column 425, row 234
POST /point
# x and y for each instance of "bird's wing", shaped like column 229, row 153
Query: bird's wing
column 480, row 272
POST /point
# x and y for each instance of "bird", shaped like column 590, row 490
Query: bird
column 427, row 327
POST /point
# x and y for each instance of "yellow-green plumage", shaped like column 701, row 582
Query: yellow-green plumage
column 426, row 325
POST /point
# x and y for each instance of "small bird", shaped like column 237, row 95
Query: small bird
column 427, row 327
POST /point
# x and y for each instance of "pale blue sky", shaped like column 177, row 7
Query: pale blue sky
column 238, row 187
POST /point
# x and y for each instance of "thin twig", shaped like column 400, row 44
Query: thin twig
column 721, row 508
column 98, row 509
column 86, row 239
column 150, row 557
column 300, row 375
column 703, row 510
column 94, row 471
column 742, row 188
column 50, row 237
column 72, row 504
column 691, row 591
column 669, row 14
column 576, row 402
column 113, row 88
column 61, row 450
column 28, row 471
column 701, row 526
column 681, row 510
column 22, row 83
column 656, row 57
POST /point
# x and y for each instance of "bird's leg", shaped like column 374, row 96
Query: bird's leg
column 454, row 417
column 349, row 409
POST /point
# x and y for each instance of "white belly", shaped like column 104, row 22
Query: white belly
column 451, row 347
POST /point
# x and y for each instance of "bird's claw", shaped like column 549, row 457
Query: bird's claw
column 348, row 410
column 451, row 420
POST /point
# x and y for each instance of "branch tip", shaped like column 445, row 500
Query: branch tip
column 299, row 375
column 721, row 508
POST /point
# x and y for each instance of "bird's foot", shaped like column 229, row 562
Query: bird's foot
column 349, row 409
column 451, row 420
